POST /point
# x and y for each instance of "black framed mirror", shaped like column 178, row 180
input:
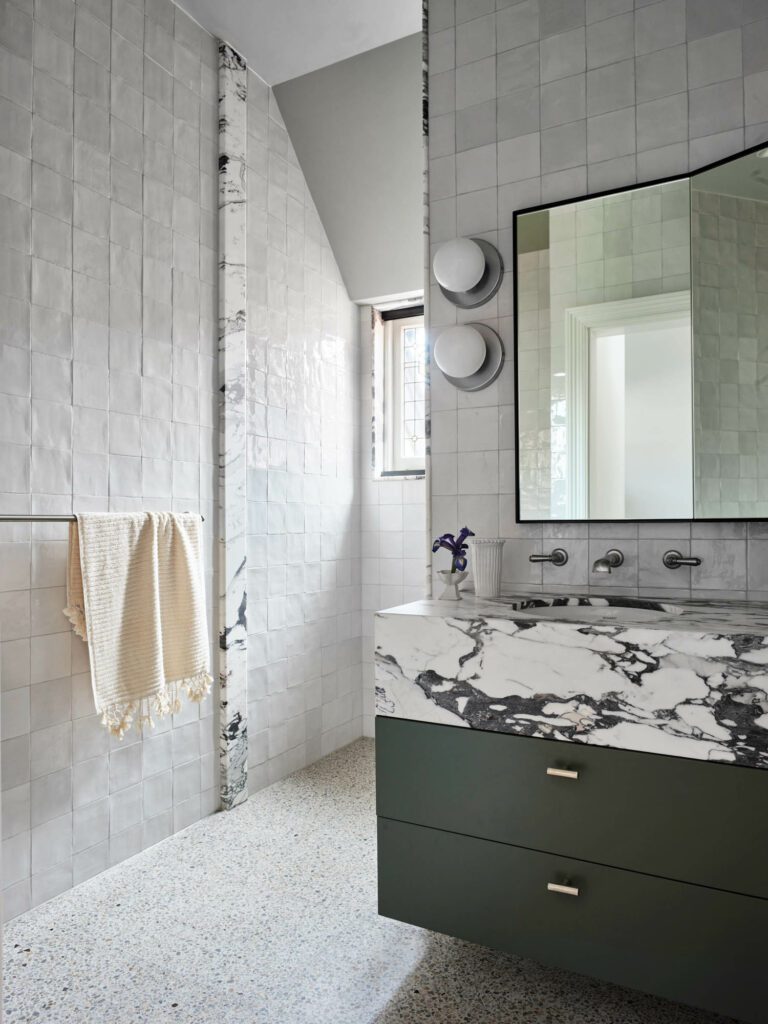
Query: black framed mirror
column 641, row 350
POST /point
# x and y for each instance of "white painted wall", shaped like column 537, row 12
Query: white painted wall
column 356, row 128
column 607, row 422
column 641, row 465
column 659, row 446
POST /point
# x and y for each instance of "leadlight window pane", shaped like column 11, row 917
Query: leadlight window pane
column 412, row 432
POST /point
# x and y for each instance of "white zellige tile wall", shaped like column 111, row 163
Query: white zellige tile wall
column 393, row 540
column 108, row 379
column 543, row 100
column 303, row 485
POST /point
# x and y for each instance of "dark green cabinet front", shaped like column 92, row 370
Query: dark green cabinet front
column 658, row 863
column 682, row 942
column 691, row 820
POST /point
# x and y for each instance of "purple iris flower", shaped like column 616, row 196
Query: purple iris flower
column 457, row 547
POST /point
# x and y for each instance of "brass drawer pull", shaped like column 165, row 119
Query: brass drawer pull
column 562, row 773
column 565, row 890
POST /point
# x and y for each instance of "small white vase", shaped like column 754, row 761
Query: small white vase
column 451, row 581
column 486, row 565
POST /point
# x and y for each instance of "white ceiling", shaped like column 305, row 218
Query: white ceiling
column 281, row 39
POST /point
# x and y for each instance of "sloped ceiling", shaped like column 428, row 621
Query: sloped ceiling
column 356, row 129
column 282, row 39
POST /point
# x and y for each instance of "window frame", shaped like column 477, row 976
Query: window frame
column 388, row 389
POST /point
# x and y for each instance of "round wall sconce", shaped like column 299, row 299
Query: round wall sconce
column 470, row 356
column 469, row 271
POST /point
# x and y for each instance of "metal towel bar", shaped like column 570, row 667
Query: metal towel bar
column 43, row 519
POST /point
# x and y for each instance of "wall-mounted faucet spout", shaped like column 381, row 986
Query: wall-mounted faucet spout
column 612, row 559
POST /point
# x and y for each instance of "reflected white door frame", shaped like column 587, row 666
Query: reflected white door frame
column 580, row 321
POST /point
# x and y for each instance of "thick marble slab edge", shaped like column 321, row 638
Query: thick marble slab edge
column 680, row 687
column 750, row 617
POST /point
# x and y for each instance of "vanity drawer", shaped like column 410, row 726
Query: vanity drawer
column 696, row 821
column 680, row 941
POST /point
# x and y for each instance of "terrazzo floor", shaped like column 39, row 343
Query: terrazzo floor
column 267, row 915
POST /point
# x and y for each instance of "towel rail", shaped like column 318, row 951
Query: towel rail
column 43, row 519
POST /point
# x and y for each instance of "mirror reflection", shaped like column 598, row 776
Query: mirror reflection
column 642, row 351
column 729, row 263
column 604, row 356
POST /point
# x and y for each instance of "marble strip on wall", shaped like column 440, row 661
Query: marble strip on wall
column 427, row 271
column 233, row 635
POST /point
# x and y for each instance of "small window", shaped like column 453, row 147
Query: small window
column 401, row 410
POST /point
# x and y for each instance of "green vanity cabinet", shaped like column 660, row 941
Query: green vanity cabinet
column 645, row 870
column 646, row 812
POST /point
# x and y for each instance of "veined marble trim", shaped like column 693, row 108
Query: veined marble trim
column 233, row 635
column 427, row 282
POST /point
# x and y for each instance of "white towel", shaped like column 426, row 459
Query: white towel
column 135, row 592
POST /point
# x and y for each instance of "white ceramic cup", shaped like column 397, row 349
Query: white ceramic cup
column 486, row 565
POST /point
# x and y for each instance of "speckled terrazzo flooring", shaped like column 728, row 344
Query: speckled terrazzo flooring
column 267, row 915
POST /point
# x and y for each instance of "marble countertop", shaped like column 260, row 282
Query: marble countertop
column 684, row 678
column 723, row 618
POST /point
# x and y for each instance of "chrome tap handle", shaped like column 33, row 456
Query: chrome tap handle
column 673, row 559
column 558, row 556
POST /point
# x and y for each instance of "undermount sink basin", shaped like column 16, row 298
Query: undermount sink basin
column 593, row 609
column 605, row 613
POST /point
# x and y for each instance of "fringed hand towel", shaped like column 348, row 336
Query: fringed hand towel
column 135, row 593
